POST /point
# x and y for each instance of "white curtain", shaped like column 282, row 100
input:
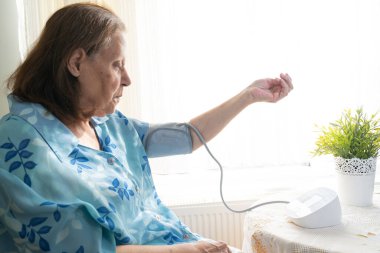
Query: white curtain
column 186, row 56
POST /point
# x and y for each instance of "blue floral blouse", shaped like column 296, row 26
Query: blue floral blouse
column 59, row 196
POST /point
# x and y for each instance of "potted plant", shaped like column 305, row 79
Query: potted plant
column 354, row 141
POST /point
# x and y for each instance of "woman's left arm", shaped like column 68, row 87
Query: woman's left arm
column 212, row 122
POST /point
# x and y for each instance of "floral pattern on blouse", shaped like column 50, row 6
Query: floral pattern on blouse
column 59, row 196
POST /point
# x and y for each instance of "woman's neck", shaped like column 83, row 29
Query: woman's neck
column 85, row 133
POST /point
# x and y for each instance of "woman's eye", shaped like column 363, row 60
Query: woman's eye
column 117, row 66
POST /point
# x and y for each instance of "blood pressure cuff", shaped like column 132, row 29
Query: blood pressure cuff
column 167, row 139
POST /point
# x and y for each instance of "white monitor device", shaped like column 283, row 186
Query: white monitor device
column 317, row 208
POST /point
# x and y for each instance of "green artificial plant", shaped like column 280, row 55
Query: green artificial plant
column 353, row 135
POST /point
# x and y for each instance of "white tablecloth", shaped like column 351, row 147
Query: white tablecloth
column 268, row 230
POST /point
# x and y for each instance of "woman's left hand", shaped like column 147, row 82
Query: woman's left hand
column 211, row 246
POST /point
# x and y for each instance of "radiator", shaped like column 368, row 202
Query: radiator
column 214, row 221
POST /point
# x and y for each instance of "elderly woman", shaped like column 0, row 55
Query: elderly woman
column 74, row 171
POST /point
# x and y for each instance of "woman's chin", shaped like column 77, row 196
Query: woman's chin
column 102, row 113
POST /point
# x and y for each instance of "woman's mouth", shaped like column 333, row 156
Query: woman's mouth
column 116, row 99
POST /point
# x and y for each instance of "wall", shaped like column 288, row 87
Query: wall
column 9, row 49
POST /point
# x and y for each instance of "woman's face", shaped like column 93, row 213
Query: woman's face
column 103, row 76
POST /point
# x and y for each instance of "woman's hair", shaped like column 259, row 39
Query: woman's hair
column 43, row 77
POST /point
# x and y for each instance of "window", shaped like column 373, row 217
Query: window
column 190, row 55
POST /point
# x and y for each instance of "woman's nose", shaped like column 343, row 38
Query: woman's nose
column 125, row 80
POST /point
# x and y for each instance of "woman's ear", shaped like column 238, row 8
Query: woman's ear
column 75, row 60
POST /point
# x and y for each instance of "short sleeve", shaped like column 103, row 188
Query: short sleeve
column 141, row 128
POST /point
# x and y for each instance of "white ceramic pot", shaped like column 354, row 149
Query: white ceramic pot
column 356, row 179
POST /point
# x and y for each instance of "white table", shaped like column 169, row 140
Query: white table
column 268, row 230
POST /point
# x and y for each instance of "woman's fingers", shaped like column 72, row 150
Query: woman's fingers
column 211, row 246
column 287, row 79
column 220, row 247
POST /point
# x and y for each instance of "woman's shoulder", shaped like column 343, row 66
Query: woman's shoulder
column 17, row 131
column 119, row 118
column 12, row 124
column 18, row 139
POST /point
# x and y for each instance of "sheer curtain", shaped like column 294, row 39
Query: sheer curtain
column 186, row 56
